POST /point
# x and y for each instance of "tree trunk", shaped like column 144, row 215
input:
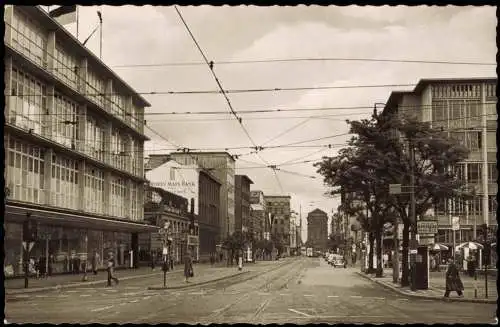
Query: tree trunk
column 380, row 245
column 371, row 240
column 404, row 260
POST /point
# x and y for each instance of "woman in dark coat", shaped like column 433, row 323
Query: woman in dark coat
column 188, row 266
column 453, row 281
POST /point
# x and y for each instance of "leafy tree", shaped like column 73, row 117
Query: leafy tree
column 359, row 172
column 434, row 152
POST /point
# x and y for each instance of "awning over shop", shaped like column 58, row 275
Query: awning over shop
column 17, row 214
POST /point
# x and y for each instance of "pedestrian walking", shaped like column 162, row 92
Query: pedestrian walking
column 111, row 271
column 453, row 281
column 188, row 266
column 95, row 260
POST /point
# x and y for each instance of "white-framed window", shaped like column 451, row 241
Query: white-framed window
column 118, row 154
column 95, row 87
column 118, row 103
column 118, row 197
column 29, row 38
column 136, row 206
column 474, row 172
column 492, row 172
column 65, row 66
column 25, row 173
column 64, row 191
column 27, row 102
column 94, row 190
column 94, row 138
column 64, row 121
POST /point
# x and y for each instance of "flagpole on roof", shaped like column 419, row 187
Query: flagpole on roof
column 100, row 32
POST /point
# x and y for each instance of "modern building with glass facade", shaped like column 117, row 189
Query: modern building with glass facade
column 466, row 110
column 74, row 144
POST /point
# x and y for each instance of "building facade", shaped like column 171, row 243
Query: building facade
column 243, row 222
column 259, row 217
column 220, row 167
column 162, row 207
column 209, row 210
column 466, row 110
column 74, row 143
column 278, row 208
column 317, row 229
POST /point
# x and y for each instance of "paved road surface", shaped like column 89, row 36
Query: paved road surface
column 301, row 291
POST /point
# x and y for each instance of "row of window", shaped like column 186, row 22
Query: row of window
column 28, row 109
column 456, row 113
column 463, row 207
column 474, row 172
column 26, row 180
column 31, row 40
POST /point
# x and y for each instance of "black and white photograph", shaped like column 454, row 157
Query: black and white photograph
column 254, row 164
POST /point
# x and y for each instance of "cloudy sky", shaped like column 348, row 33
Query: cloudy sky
column 150, row 35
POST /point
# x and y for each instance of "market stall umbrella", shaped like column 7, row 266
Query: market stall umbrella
column 439, row 247
column 469, row 245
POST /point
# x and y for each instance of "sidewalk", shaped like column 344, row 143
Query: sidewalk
column 16, row 286
column 437, row 288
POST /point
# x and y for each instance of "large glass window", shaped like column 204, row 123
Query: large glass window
column 28, row 38
column 65, row 66
column 64, row 190
column 117, row 197
column 474, row 172
column 118, row 154
column 27, row 102
column 95, row 87
column 94, row 190
column 25, row 172
column 64, row 121
column 94, row 138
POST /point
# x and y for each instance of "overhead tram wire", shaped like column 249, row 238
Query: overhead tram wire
column 210, row 65
column 285, row 60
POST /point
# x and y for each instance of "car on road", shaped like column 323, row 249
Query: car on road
column 336, row 260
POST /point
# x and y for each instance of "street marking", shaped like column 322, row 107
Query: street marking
column 300, row 312
column 133, row 301
column 308, row 295
column 41, row 296
column 283, row 294
column 85, row 295
column 378, row 298
column 333, row 296
column 356, row 296
column 146, row 297
column 22, row 296
column 110, row 290
column 103, row 308
column 71, row 291
column 197, row 293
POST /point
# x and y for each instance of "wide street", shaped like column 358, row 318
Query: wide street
column 295, row 290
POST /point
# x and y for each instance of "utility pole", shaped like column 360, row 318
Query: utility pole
column 413, row 243
column 395, row 257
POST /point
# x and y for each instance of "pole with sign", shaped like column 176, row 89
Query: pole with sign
column 455, row 225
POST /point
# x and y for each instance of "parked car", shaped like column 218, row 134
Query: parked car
column 337, row 260
column 330, row 258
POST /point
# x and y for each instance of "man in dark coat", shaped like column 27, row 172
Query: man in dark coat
column 453, row 281
column 188, row 266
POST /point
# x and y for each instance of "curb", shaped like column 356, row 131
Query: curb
column 77, row 284
column 156, row 288
column 428, row 297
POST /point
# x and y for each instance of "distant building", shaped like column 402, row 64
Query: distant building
column 220, row 167
column 242, row 203
column 278, row 206
column 466, row 110
column 160, row 207
column 317, row 229
column 258, row 216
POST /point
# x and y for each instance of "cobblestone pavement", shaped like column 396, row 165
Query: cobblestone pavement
column 299, row 290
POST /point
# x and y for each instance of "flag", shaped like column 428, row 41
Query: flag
column 64, row 14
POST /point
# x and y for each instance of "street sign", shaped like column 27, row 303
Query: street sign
column 192, row 240
column 30, row 245
column 413, row 251
column 427, row 227
column 394, row 188
column 400, row 231
column 455, row 223
column 165, row 250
